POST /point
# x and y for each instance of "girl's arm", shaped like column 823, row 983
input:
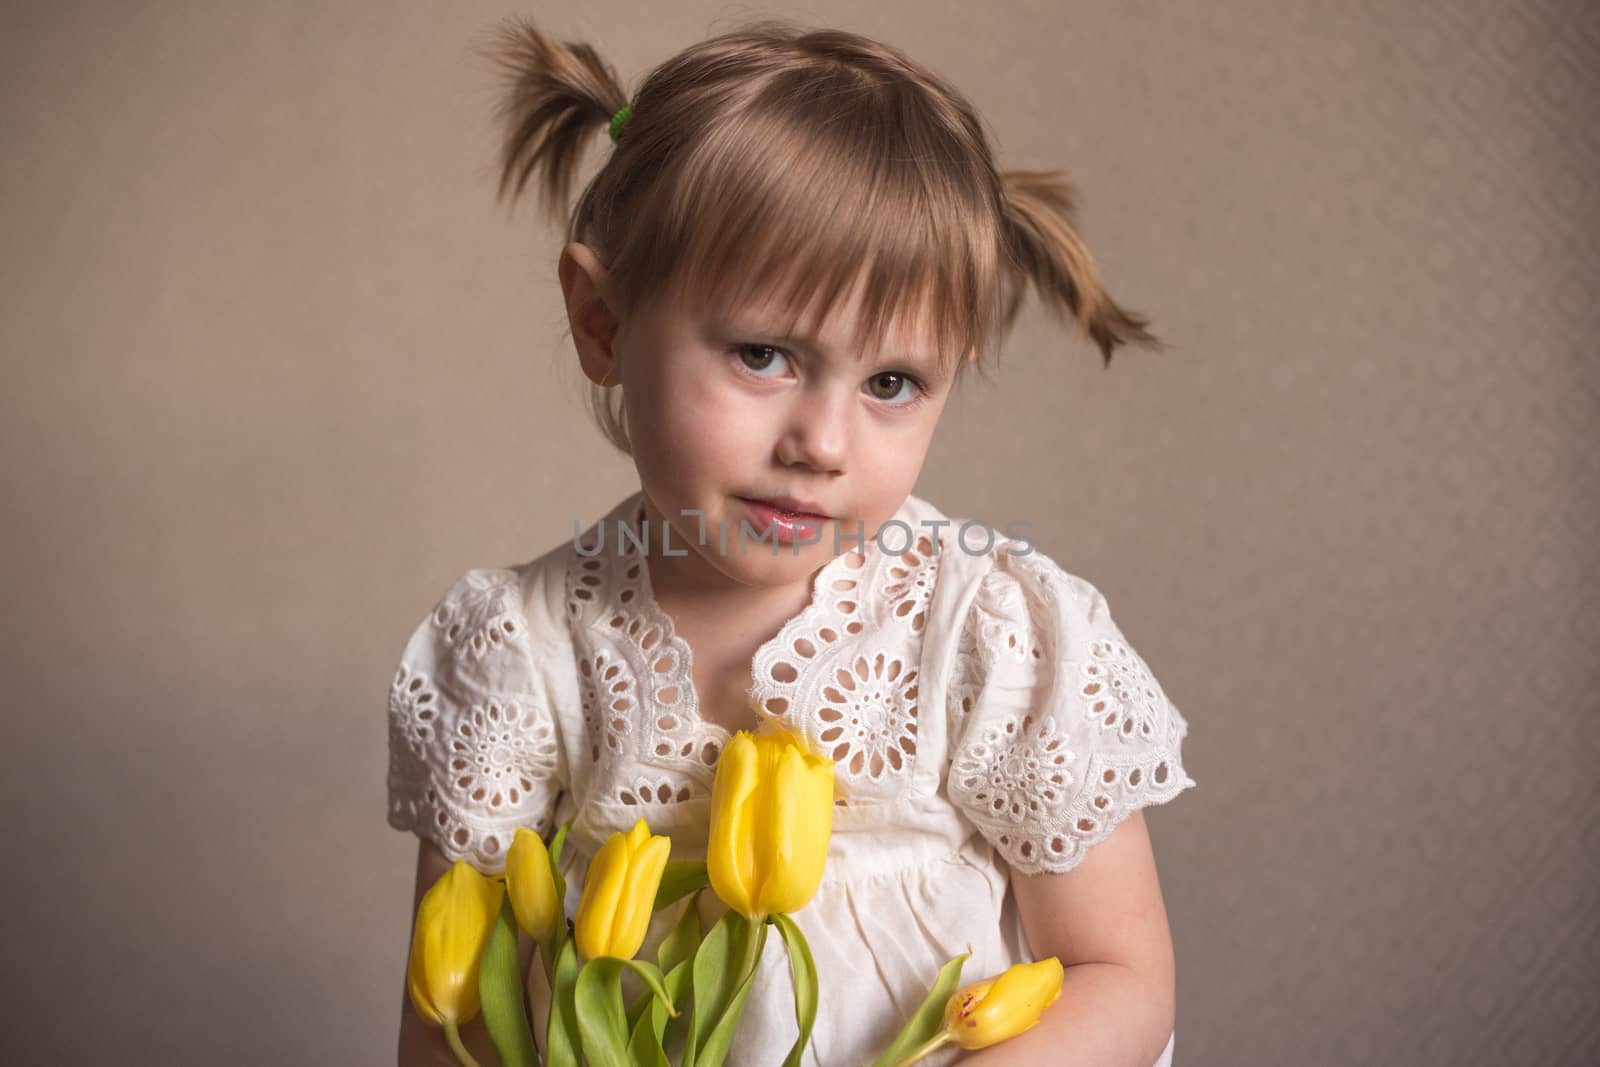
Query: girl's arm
column 422, row 1045
column 1106, row 921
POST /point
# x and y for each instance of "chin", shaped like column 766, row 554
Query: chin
column 760, row 565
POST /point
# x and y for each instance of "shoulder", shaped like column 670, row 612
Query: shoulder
column 1032, row 622
column 1001, row 607
column 488, row 607
column 995, row 568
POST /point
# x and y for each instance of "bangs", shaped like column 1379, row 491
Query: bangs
column 818, row 183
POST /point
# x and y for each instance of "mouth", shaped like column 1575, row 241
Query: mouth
column 790, row 507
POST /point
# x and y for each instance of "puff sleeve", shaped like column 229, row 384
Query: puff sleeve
column 1058, row 729
column 473, row 751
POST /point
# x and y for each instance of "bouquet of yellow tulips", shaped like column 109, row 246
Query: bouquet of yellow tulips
column 771, row 820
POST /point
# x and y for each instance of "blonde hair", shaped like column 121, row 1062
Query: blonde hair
column 780, row 161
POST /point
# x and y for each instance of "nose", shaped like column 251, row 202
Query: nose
column 816, row 431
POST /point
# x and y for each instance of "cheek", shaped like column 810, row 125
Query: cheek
column 893, row 460
column 703, row 422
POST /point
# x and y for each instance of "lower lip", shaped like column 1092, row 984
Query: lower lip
column 786, row 526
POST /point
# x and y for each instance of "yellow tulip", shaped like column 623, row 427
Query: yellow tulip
column 531, row 885
column 997, row 1009
column 619, row 893
column 454, row 919
column 771, row 816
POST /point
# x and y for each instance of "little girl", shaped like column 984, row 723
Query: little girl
column 796, row 245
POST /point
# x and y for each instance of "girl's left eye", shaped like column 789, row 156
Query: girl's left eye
column 897, row 381
column 903, row 390
column 759, row 364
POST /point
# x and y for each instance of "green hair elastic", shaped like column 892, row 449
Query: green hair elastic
column 619, row 120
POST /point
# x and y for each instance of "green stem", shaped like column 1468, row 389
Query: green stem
column 452, row 1035
column 752, row 951
column 927, row 1048
column 549, row 949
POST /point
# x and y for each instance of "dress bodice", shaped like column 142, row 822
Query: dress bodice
column 985, row 714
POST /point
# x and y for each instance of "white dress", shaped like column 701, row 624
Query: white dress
column 985, row 714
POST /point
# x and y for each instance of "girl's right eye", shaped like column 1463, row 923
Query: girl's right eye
column 763, row 358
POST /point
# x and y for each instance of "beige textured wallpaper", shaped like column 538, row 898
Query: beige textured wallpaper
column 278, row 369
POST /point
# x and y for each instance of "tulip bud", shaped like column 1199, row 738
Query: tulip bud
column 997, row 1009
column 532, row 886
column 454, row 920
column 619, row 893
column 771, row 817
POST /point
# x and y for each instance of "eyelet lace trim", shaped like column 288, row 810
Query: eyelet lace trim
column 1119, row 694
column 478, row 616
column 850, row 668
column 469, row 761
column 636, row 705
column 849, row 658
column 1096, row 738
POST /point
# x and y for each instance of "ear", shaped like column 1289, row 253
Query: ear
column 592, row 312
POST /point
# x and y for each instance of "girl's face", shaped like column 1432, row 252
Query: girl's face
column 722, row 410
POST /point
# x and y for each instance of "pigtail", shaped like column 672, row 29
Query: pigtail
column 1037, row 219
column 556, row 96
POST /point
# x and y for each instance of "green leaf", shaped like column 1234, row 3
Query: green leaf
column 674, row 1032
column 654, row 980
column 655, row 990
column 715, row 970
column 647, row 1048
column 644, row 1047
column 927, row 1019
column 681, row 878
column 678, row 981
column 636, row 1010
column 601, row 1022
column 561, row 1033
column 682, row 939
column 559, row 839
column 505, row 1012
column 554, row 850
column 716, row 1044
column 804, row 972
